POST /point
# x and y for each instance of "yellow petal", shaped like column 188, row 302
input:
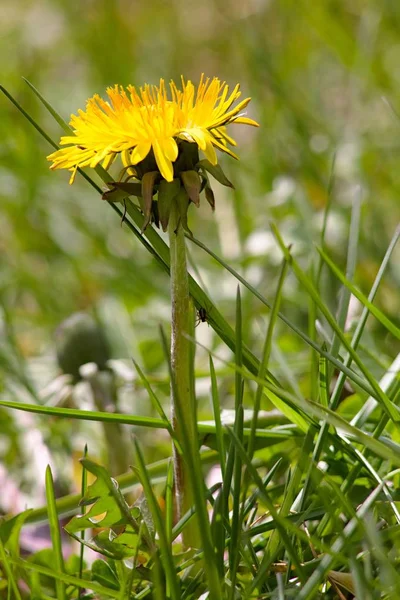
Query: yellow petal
column 162, row 161
column 210, row 153
column 140, row 152
column 245, row 121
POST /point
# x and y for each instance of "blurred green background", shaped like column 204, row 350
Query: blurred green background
column 324, row 78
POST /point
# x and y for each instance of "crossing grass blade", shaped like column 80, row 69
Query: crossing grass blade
column 237, row 462
column 378, row 314
column 217, row 417
column 11, row 584
column 55, row 535
column 306, row 339
column 165, row 547
column 393, row 414
column 191, row 455
column 310, row 587
column 352, row 248
column 266, row 356
column 83, row 492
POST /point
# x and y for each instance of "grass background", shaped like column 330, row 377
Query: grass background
column 324, row 81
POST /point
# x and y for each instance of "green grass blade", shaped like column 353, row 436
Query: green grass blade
column 55, row 535
column 266, row 354
column 217, row 417
column 68, row 130
column 169, row 503
column 6, row 567
column 155, row 401
column 83, row 492
column 307, row 284
column 165, row 547
column 65, row 578
column 280, row 522
column 308, row 340
column 191, row 455
column 309, row 589
column 350, row 270
column 86, row 415
column 378, row 314
column 237, row 468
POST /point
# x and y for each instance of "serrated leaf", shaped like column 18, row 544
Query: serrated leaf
column 109, row 507
column 216, row 172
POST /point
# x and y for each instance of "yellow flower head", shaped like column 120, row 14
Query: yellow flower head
column 135, row 124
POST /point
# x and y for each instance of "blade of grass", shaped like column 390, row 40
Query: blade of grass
column 310, row 342
column 191, row 455
column 83, row 491
column 351, row 264
column 155, row 401
column 237, row 469
column 6, row 567
column 279, row 521
column 65, row 578
column 309, row 589
column 166, row 556
column 266, row 354
column 55, row 535
column 217, row 417
column 336, row 394
column 378, row 314
column 307, row 284
column 169, row 503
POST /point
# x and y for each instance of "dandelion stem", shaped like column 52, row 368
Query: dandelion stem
column 183, row 403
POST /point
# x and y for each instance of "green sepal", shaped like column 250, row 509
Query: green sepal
column 215, row 171
column 205, row 185
column 166, row 193
column 148, row 181
column 182, row 200
column 210, row 196
column 119, row 191
column 192, row 183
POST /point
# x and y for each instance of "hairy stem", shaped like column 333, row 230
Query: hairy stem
column 183, row 402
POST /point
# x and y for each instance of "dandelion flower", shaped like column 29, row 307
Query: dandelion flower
column 158, row 132
column 135, row 124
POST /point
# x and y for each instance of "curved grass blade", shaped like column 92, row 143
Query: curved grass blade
column 65, row 578
column 378, row 314
column 309, row 589
column 217, row 417
column 166, row 556
column 387, row 405
column 308, row 340
column 6, row 567
column 55, row 535
column 191, row 455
